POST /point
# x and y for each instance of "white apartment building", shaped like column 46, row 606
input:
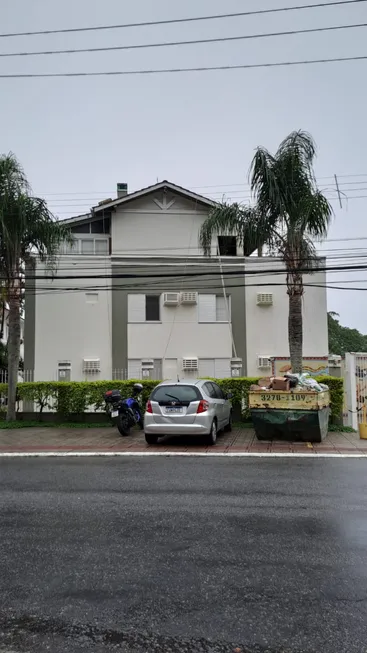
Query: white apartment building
column 134, row 297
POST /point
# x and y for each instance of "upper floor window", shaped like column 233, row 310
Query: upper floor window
column 144, row 308
column 214, row 308
column 152, row 308
column 227, row 245
column 87, row 247
column 101, row 226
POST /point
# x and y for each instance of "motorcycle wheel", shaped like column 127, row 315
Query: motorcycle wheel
column 123, row 425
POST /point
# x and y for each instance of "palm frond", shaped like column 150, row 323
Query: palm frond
column 227, row 219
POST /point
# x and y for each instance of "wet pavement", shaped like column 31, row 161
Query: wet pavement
column 183, row 555
column 105, row 440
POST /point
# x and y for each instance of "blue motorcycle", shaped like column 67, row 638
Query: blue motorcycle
column 125, row 413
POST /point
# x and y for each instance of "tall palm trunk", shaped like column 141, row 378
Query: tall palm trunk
column 13, row 348
column 295, row 321
column 2, row 321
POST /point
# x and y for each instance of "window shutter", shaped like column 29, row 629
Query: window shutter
column 222, row 368
column 134, row 369
column 206, row 368
column 207, row 311
column 221, row 309
column 136, row 308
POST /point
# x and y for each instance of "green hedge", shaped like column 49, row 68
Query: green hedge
column 76, row 397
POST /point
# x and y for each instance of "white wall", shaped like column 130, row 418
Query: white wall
column 142, row 227
column 178, row 336
column 70, row 328
column 267, row 326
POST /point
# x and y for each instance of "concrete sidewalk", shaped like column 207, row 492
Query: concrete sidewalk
column 107, row 440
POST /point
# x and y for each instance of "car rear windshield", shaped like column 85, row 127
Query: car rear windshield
column 165, row 394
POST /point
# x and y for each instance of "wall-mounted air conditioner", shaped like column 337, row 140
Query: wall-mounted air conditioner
column 147, row 364
column 91, row 365
column 171, row 298
column 263, row 362
column 264, row 299
column 190, row 364
column 189, row 298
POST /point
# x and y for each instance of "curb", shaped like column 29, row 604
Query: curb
column 167, row 454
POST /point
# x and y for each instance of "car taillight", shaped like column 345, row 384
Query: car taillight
column 203, row 406
column 149, row 408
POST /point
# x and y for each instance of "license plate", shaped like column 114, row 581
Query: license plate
column 173, row 410
column 115, row 413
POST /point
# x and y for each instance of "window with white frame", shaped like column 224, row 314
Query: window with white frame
column 86, row 247
column 143, row 308
column 214, row 308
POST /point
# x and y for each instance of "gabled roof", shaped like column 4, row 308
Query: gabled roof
column 140, row 193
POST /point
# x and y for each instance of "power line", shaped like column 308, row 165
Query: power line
column 244, row 185
column 222, row 39
column 62, row 291
column 159, row 71
column 192, row 19
column 204, row 272
column 80, row 202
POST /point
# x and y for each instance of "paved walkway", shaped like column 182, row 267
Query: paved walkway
column 105, row 440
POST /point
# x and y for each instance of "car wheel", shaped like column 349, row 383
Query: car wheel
column 212, row 436
column 229, row 426
column 151, row 439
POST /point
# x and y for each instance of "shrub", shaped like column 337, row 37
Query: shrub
column 73, row 397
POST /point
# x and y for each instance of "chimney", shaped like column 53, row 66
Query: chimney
column 121, row 190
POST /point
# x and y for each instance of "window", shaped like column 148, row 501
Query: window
column 152, row 308
column 184, row 394
column 209, row 389
column 221, row 310
column 81, row 228
column 219, row 394
column 143, row 308
column 227, row 245
column 87, row 246
column 102, row 226
column 213, row 308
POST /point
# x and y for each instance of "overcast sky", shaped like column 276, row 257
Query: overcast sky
column 78, row 137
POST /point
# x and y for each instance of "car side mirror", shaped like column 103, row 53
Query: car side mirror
column 229, row 395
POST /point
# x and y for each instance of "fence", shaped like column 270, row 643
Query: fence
column 355, row 388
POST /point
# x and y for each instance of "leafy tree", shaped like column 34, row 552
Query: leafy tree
column 289, row 214
column 343, row 339
column 26, row 227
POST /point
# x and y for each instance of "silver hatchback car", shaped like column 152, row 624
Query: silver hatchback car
column 187, row 408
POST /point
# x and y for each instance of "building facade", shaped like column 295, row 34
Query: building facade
column 134, row 297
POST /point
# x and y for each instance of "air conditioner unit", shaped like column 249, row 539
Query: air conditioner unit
column 171, row 298
column 264, row 299
column 190, row 364
column 236, row 366
column 147, row 364
column 91, row 365
column 335, row 361
column 263, row 362
column 189, row 298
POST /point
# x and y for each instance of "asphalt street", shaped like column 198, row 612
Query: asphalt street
column 183, row 555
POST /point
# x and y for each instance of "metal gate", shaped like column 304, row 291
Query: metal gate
column 355, row 388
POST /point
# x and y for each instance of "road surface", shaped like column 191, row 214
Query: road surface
column 183, row 555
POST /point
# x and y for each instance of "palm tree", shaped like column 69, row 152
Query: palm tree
column 26, row 228
column 289, row 214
